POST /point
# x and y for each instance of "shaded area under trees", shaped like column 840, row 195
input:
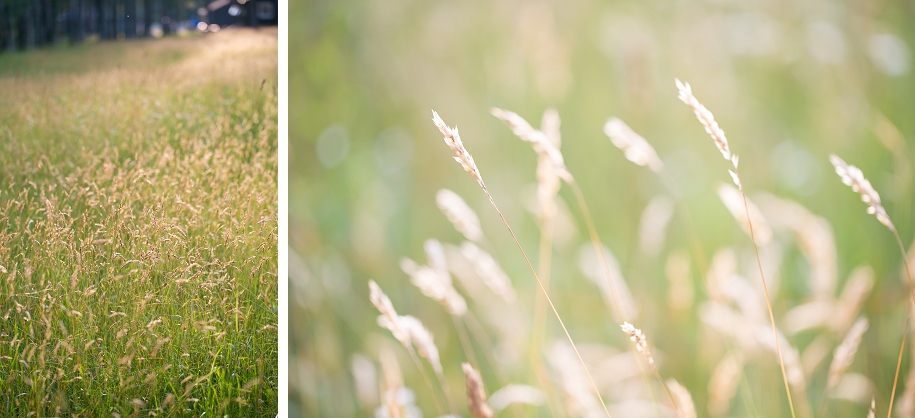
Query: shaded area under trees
column 30, row 24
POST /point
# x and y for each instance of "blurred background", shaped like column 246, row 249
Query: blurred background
column 790, row 82
column 28, row 24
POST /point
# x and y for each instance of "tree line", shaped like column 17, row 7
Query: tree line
column 28, row 24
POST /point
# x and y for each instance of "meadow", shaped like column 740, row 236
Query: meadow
column 138, row 228
column 400, row 293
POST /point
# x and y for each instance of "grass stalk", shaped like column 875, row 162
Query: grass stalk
column 550, row 302
column 446, row 389
column 905, row 262
column 762, row 278
column 462, row 156
column 705, row 117
column 422, row 370
column 620, row 311
column 598, row 248
column 476, row 329
column 544, row 265
column 695, row 244
column 905, row 332
column 853, row 177
column 465, row 342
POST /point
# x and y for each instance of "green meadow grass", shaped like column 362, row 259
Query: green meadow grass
column 138, row 228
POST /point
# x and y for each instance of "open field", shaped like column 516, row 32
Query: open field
column 138, row 228
column 789, row 82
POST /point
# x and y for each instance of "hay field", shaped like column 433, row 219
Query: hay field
column 788, row 83
column 138, row 228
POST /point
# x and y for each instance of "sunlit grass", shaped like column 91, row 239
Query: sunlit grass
column 366, row 165
column 138, row 229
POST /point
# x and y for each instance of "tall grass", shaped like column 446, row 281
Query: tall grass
column 583, row 394
column 138, row 229
column 673, row 232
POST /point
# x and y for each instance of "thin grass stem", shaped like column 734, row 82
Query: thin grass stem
column 465, row 343
column 762, row 278
column 476, row 329
column 905, row 333
column 422, row 370
column 544, row 265
column 905, row 262
column 619, row 311
column 598, row 248
column 447, row 391
column 550, row 301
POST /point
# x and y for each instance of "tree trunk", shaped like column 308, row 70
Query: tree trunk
column 113, row 19
column 11, row 26
column 29, row 22
column 36, row 11
column 80, row 21
column 109, row 19
column 74, row 22
column 50, row 22
column 252, row 12
column 147, row 17
column 166, row 16
column 117, row 18
column 98, row 17
column 130, row 20
column 71, row 21
column 2, row 23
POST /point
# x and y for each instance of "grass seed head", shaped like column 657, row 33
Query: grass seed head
column 852, row 176
column 641, row 343
column 476, row 394
column 548, row 183
column 723, row 384
column 653, row 224
column 422, row 340
column 489, row 271
column 845, row 353
column 733, row 199
column 461, row 155
column 685, row 94
column 685, row 406
column 538, row 140
column 457, row 211
column 634, row 146
column 549, row 125
column 814, row 238
column 389, row 317
column 434, row 280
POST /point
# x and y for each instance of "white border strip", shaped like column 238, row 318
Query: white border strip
column 283, row 209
